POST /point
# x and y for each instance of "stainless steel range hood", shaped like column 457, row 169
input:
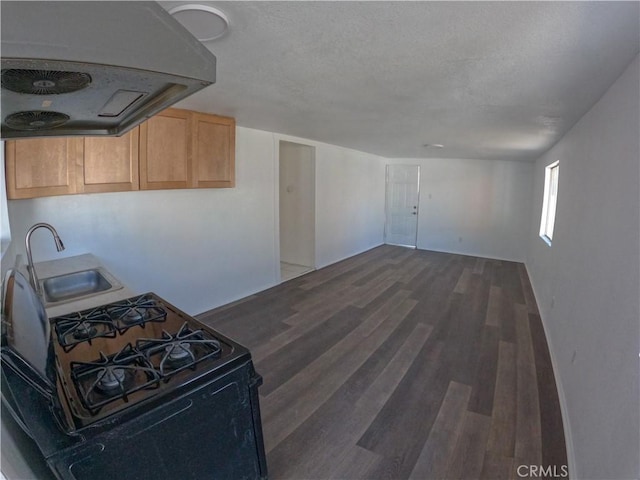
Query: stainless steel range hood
column 94, row 68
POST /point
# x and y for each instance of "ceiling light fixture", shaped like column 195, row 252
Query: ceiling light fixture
column 433, row 145
column 204, row 22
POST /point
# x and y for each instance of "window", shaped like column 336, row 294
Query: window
column 549, row 202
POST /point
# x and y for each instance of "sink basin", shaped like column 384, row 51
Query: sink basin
column 75, row 285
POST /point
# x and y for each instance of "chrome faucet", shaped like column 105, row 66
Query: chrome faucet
column 33, row 277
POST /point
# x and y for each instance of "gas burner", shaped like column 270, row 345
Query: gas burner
column 85, row 331
column 112, row 377
column 173, row 353
column 135, row 311
column 133, row 316
column 83, row 326
column 179, row 353
column 112, row 380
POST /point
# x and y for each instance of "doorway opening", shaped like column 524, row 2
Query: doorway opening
column 401, row 206
column 297, row 209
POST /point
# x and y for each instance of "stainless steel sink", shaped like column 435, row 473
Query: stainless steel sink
column 72, row 286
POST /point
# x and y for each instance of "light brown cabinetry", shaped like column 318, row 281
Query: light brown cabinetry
column 175, row 149
column 185, row 149
column 165, row 152
column 42, row 167
column 110, row 164
column 214, row 141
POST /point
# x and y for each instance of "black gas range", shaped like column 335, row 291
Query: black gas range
column 137, row 389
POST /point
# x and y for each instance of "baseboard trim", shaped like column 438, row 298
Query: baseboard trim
column 561, row 396
column 319, row 266
column 472, row 254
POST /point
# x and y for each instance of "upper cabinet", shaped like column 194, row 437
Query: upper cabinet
column 165, row 152
column 42, row 167
column 175, row 149
column 110, row 163
column 214, row 141
column 185, row 149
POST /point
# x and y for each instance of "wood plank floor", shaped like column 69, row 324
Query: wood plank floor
column 402, row 364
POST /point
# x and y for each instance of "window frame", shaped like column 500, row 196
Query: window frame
column 549, row 202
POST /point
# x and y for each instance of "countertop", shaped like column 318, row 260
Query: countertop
column 87, row 261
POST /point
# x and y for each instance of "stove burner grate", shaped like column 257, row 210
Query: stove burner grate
column 83, row 327
column 112, row 378
column 174, row 353
column 135, row 311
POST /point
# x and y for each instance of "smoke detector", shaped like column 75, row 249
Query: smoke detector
column 203, row 22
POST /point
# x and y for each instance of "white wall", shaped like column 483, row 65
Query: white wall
column 349, row 203
column 203, row 248
column 474, row 207
column 297, row 204
column 587, row 282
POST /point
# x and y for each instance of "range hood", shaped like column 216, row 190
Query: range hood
column 94, row 67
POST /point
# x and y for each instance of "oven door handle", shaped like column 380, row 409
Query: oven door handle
column 27, row 373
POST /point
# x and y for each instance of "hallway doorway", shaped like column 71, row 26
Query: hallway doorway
column 297, row 209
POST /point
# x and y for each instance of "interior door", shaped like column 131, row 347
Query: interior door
column 402, row 192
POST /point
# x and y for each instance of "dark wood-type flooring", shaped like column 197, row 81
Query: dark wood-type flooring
column 401, row 363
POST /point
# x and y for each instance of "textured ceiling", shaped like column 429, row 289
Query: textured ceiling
column 495, row 80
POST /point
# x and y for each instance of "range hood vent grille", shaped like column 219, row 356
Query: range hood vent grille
column 36, row 120
column 43, row 82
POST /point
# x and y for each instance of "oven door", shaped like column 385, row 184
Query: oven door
column 211, row 432
column 30, row 404
column 26, row 329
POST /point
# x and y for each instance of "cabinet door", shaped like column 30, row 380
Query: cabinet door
column 42, row 167
column 165, row 151
column 213, row 151
column 110, row 163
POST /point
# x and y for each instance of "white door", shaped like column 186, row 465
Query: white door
column 403, row 190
